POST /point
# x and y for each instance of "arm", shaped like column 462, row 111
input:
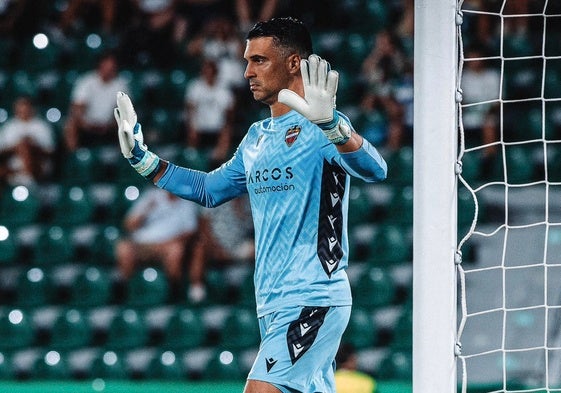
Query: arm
column 207, row 189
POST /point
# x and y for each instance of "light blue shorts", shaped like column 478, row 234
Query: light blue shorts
column 298, row 348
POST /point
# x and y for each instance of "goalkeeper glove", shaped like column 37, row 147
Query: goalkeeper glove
column 131, row 139
column 318, row 104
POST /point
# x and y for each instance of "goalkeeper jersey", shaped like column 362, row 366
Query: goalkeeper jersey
column 298, row 185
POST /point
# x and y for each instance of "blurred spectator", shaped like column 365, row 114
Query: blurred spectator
column 156, row 36
column 251, row 11
column 219, row 41
column 384, row 62
column 27, row 144
column 480, row 85
column 226, row 234
column 402, row 91
column 96, row 14
column 19, row 18
column 405, row 27
column 210, row 110
column 347, row 377
column 162, row 228
column 91, row 121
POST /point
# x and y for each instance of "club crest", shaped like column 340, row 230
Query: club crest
column 291, row 135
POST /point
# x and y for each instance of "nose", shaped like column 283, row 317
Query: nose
column 248, row 73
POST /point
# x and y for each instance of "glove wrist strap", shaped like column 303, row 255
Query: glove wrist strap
column 148, row 165
column 337, row 131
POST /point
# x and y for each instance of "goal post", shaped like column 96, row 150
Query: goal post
column 435, row 190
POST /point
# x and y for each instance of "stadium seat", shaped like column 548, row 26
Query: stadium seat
column 74, row 207
column 16, row 330
column 108, row 365
column 20, row 206
column 81, row 167
column 53, row 246
column 390, row 245
column 361, row 331
column 361, row 207
column 400, row 209
column 92, row 287
column 9, row 248
column 374, row 288
column 403, row 330
column 194, row 159
column 223, row 365
column 401, row 164
column 240, row 330
column 472, row 167
column 163, row 126
column 103, row 250
column 397, row 366
column 52, row 365
column 37, row 58
column 34, row 288
column 518, row 169
column 70, row 331
column 166, row 365
column 217, row 286
column 184, row 330
column 6, row 368
column 147, row 287
column 126, row 331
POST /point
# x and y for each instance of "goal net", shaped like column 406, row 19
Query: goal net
column 509, row 196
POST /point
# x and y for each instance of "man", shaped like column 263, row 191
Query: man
column 27, row 145
column 89, row 122
column 295, row 166
column 162, row 228
column 347, row 377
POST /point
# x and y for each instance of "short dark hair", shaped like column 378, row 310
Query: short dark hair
column 287, row 33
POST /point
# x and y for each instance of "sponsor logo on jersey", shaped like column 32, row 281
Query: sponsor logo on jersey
column 291, row 135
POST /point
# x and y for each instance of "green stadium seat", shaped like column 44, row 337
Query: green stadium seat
column 194, row 159
column 361, row 331
column 246, row 292
column 184, row 330
column 519, row 168
column 34, row 288
column 472, row 167
column 16, row 330
column 147, row 287
column 20, row 206
column 217, row 286
column 361, row 207
column 82, row 167
column 91, row 288
column 374, row 288
column 166, row 365
column 103, row 250
column 108, row 365
column 401, row 164
column 163, row 126
column 74, row 207
column 240, row 330
column 51, row 366
column 6, row 367
column 37, row 59
column 397, row 366
column 53, row 246
column 71, row 330
column 9, row 248
column 400, row 209
column 390, row 245
column 403, row 330
column 223, row 366
column 127, row 331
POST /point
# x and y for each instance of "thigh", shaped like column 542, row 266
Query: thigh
column 298, row 348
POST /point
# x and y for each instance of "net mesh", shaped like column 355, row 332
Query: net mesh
column 509, row 196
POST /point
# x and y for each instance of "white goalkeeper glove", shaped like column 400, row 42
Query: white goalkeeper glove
column 318, row 104
column 131, row 139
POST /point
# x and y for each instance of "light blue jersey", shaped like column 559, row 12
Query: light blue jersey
column 298, row 185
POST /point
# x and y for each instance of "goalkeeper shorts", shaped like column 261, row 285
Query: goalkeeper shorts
column 298, row 348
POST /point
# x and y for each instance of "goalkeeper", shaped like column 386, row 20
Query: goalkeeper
column 296, row 167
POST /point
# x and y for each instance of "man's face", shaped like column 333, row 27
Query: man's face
column 267, row 70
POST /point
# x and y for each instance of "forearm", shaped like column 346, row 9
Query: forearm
column 364, row 162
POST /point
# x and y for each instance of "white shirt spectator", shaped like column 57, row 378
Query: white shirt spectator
column 98, row 96
column 37, row 129
column 166, row 218
column 210, row 105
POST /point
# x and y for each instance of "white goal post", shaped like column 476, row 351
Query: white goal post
column 435, row 185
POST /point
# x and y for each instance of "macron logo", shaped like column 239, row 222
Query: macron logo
column 332, row 242
column 304, row 328
column 270, row 363
column 297, row 349
column 334, row 198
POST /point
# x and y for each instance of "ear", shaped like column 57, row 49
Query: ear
column 293, row 64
